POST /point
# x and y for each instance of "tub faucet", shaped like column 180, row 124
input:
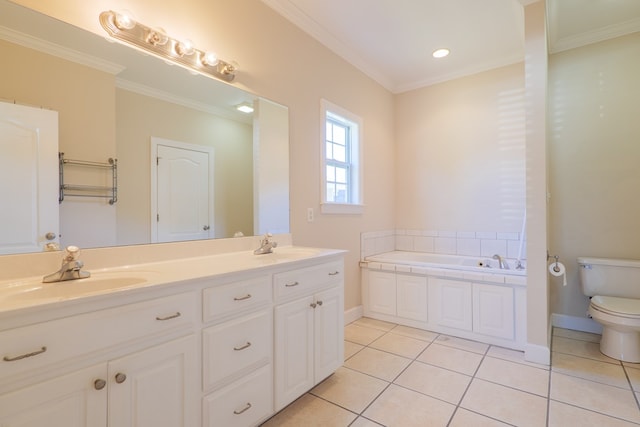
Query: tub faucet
column 266, row 245
column 501, row 262
column 71, row 268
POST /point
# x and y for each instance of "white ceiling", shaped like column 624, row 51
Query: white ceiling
column 392, row 40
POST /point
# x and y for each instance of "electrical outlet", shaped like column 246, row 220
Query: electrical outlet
column 310, row 215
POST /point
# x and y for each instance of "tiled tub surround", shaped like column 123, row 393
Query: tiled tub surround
column 448, row 294
column 465, row 243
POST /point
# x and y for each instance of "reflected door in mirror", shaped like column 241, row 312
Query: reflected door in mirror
column 28, row 178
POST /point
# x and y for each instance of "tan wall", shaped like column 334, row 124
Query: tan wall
column 594, row 110
column 461, row 152
column 138, row 119
column 280, row 62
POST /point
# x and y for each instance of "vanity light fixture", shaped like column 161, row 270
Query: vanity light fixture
column 440, row 53
column 182, row 52
column 245, row 107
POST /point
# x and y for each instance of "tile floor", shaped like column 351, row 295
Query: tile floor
column 399, row 376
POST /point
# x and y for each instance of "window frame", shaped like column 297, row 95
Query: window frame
column 333, row 112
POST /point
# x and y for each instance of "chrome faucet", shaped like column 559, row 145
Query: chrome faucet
column 501, row 262
column 71, row 268
column 266, row 245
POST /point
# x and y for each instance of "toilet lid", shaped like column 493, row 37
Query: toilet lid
column 627, row 307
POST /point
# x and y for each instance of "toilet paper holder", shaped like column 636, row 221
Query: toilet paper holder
column 556, row 267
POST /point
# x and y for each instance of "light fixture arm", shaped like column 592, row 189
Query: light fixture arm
column 165, row 47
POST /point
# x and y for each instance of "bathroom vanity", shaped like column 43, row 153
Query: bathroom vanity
column 221, row 340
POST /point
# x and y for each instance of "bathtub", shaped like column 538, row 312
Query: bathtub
column 424, row 260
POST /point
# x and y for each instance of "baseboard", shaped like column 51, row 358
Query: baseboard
column 537, row 354
column 353, row 314
column 576, row 323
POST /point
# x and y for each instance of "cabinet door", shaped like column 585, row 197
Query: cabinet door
column 450, row 303
column 382, row 292
column 493, row 310
column 293, row 350
column 329, row 333
column 412, row 297
column 72, row 400
column 155, row 387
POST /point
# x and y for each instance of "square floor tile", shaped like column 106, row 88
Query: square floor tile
column 361, row 334
column 434, row 381
column 351, row 348
column 505, row 404
column 602, row 398
column 380, row 364
column 580, row 348
column 516, row 375
column 464, row 418
column 462, row 344
column 363, row 422
column 311, row 411
column 374, row 323
column 419, row 334
column 634, row 377
column 350, row 389
column 562, row 415
column 455, row 359
column 590, row 369
column 399, row 407
column 400, row 345
column 576, row 335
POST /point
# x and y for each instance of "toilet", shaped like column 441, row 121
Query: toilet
column 614, row 288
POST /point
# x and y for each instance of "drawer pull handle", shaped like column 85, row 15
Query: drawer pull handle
column 247, row 296
column 247, row 345
column 24, row 356
column 291, row 285
column 173, row 316
column 99, row 384
column 120, row 377
column 335, row 273
column 245, row 409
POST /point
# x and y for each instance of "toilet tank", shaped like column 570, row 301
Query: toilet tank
column 609, row 277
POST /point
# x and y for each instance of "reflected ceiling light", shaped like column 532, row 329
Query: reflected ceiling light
column 440, row 53
column 245, row 107
column 123, row 28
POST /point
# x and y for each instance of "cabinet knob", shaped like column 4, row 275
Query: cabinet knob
column 313, row 305
column 319, row 302
column 99, row 384
column 206, row 228
column 120, row 377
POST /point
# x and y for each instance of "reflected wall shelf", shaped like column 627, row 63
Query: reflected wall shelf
column 80, row 190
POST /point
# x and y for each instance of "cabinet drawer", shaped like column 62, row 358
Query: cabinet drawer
column 243, row 403
column 236, row 298
column 35, row 346
column 235, row 347
column 307, row 280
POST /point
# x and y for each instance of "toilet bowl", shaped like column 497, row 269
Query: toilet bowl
column 620, row 320
column 614, row 288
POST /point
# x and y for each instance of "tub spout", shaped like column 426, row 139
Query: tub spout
column 501, row 262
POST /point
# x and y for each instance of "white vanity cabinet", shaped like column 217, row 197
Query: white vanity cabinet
column 309, row 328
column 237, row 353
column 134, row 365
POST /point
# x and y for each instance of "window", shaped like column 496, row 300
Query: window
column 341, row 160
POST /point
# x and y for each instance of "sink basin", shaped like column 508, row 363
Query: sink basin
column 99, row 282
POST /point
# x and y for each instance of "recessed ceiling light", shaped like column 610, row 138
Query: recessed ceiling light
column 440, row 53
column 245, row 107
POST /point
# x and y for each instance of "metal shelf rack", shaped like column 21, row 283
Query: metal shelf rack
column 79, row 190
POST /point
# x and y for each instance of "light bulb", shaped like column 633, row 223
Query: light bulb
column 124, row 21
column 157, row 37
column 184, row 48
column 440, row 53
column 209, row 58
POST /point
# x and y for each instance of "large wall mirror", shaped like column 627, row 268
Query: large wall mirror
column 112, row 101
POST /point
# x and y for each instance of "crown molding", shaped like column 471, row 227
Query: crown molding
column 561, row 44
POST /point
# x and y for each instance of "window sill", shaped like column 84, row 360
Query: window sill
column 341, row 208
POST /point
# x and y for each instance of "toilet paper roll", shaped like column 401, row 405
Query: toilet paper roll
column 557, row 269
